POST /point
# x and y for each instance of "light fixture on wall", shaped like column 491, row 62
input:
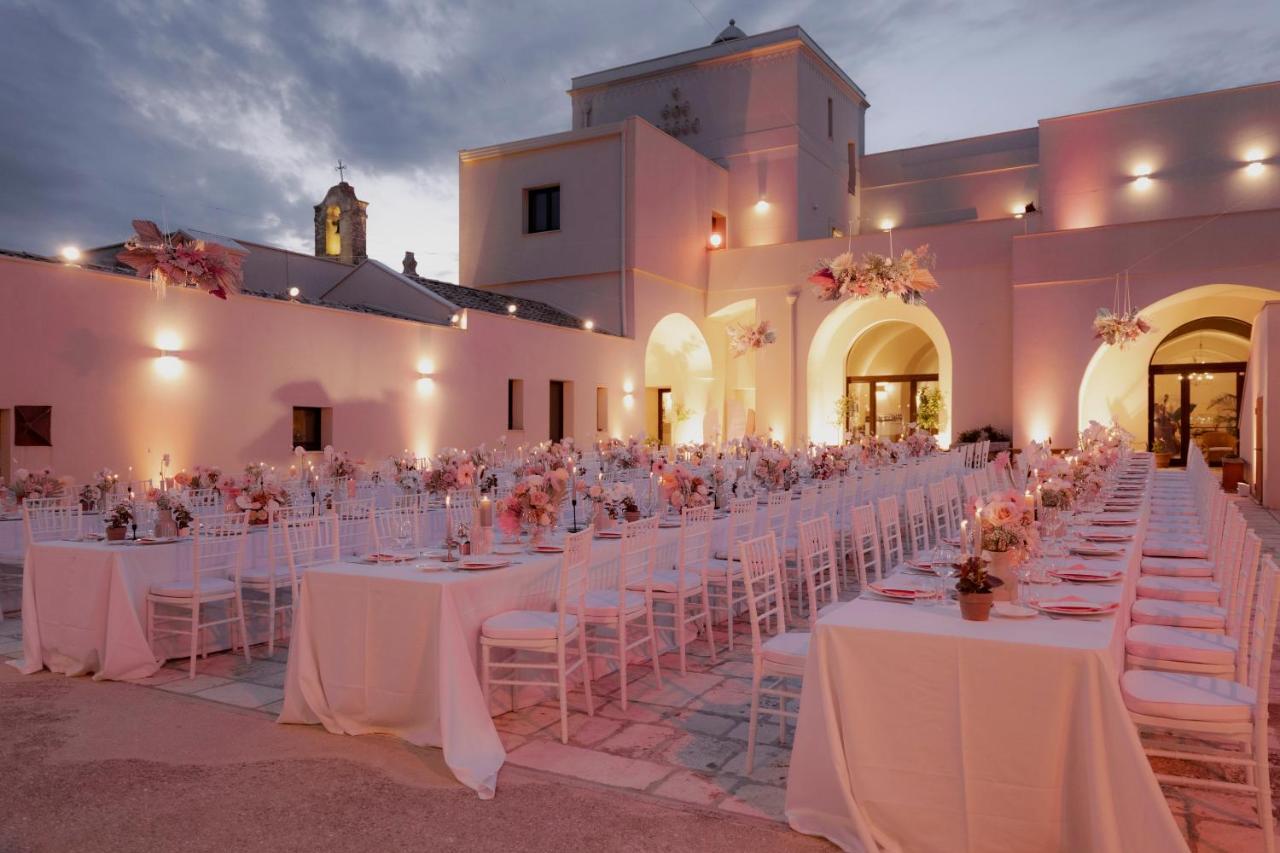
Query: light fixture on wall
column 887, row 224
column 762, row 206
column 511, row 308
column 628, row 395
column 168, row 365
column 589, row 324
column 294, row 292
column 70, row 254
column 1142, row 176
column 715, row 241
column 454, row 319
column 1198, row 358
column 1253, row 159
column 426, row 375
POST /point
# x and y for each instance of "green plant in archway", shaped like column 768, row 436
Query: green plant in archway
column 929, row 409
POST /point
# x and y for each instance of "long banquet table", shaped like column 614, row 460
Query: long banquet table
column 921, row 731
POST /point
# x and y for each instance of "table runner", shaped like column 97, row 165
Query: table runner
column 920, row 731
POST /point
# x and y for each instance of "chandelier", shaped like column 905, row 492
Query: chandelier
column 1198, row 358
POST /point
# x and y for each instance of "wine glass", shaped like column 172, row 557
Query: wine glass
column 404, row 533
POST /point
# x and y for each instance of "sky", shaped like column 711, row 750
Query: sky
column 229, row 115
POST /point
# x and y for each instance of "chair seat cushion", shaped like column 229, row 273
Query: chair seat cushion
column 788, row 649
column 526, row 625
column 668, row 581
column 209, row 586
column 1161, row 642
column 1179, row 589
column 1170, row 546
column 1178, row 614
column 1177, row 567
column 1178, row 696
column 604, row 602
column 262, row 576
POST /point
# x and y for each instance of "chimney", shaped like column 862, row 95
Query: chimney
column 410, row 264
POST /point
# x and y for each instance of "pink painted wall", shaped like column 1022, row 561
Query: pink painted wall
column 1195, row 147
column 85, row 343
column 1263, row 381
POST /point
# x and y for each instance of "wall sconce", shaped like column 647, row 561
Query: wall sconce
column 454, row 319
column 70, row 254
column 715, row 241
column 294, row 292
column 762, row 206
column 628, row 394
column 426, row 376
column 168, row 365
column 887, row 224
column 1142, row 176
column 1253, row 158
column 511, row 308
column 588, row 324
column 628, row 401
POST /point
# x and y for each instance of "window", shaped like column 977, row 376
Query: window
column 310, row 427
column 515, row 404
column 543, row 209
column 602, row 409
column 853, row 168
column 33, row 426
column 831, row 120
column 555, row 426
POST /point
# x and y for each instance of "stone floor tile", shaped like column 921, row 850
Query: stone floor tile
column 701, row 723
column 10, row 646
column 511, row 741
column 585, row 730
column 677, row 691
column 737, row 668
column 636, row 712
column 638, row 740
column 244, row 694
column 193, row 685
column 593, row 766
column 764, row 801
column 526, row 721
column 274, row 709
column 771, row 765
column 696, row 788
column 163, row 675
column 700, row 753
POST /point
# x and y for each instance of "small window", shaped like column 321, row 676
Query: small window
column 602, row 409
column 831, row 119
column 543, row 209
column 515, row 404
column 853, row 168
column 33, row 426
column 309, row 427
column 719, row 232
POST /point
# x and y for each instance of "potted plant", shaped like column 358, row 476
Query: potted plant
column 975, row 589
column 118, row 521
column 1163, row 455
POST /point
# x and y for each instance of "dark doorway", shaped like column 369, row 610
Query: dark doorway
column 665, row 414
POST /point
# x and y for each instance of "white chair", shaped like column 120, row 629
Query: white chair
column 545, row 633
column 48, row 519
column 217, row 559
column 308, row 540
column 394, row 529
column 616, row 609
column 724, row 572
column 780, row 658
column 684, row 588
column 1227, row 718
column 891, row 533
column 955, row 506
column 866, row 545
column 939, row 514
column 917, row 517
column 818, row 564
column 355, row 525
column 203, row 502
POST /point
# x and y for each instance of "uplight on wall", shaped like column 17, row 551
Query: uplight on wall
column 887, row 224
column 511, row 308
column 294, row 292
column 589, row 324
column 426, row 375
column 168, row 365
column 1253, row 160
column 1142, row 176
column 715, row 241
column 628, row 394
column 762, row 206
column 70, row 254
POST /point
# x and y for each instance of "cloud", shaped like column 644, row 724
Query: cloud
column 229, row 116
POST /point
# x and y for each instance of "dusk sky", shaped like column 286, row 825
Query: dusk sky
column 228, row 116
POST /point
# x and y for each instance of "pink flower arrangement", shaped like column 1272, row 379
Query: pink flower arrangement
column 180, row 262
column 828, row 462
column 38, row 484
column 771, row 469
column 547, row 457
column 745, row 337
column 338, row 464
column 680, row 488
column 1008, row 524
column 619, row 455
column 205, row 476
column 1119, row 330
column 872, row 451
column 453, row 470
column 534, row 500
column 920, row 443
column 907, row 276
column 260, row 499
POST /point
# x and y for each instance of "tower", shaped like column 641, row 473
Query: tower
column 340, row 224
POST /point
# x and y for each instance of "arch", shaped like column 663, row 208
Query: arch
column 677, row 357
column 1114, row 383
column 825, row 367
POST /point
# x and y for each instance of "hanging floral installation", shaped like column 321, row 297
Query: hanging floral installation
column 1120, row 325
column 906, row 276
column 745, row 337
column 181, row 262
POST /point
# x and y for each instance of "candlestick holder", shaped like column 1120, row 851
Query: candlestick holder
column 449, row 556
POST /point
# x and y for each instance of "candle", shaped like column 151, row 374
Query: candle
column 1029, row 501
column 448, row 500
column 486, row 512
column 977, row 531
column 964, row 538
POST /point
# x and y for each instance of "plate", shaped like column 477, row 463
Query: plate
column 477, row 565
column 1087, row 575
column 898, row 592
column 548, row 549
column 1009, row 610
column 667, row 525
column 1107, row 537
column 920, row 567
column 1073, row 606
column 1092, row 551
column 156, row 540
column 603, row 534
column 387, row 558
column 1114, row 522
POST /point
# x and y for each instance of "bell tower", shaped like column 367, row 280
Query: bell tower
column 340, row 223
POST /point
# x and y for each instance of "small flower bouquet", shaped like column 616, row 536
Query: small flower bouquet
column 1008, row 524
column 38, row 484
column 205, row 476
column 174, row 260
column 919, row 443
column 975, row 589
column 119, row 518
column 771, row 469
column 1119, row 330
column 338, row 464
column 409, row 480
column 534, row 501
column 627, row 455
column 745, row 337
column 1056, row 493
column 616, row 500
column 680, row 488
column 261, row 498
column 906, row 276
column 104, row 480
column 172, row 504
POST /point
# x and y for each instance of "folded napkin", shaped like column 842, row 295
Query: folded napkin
column 1074, row 602
column 1174, row 548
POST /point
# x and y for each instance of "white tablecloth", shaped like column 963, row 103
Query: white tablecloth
column 921, row 731
column 394, row 650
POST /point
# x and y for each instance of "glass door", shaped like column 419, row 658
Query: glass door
column 1166, row 414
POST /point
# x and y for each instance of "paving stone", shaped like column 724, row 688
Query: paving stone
column 526, row 721
column 766, row 801
column 274, row 709
column 639, row 740
column 636, row 712
column 697, row 721
column 193, row 685
column 163, row 675
column 244, row 694
column 677, row 691
column 699, row 752
column 771, row 765
column 694, row 788
column 593, row 766
column 585, row 730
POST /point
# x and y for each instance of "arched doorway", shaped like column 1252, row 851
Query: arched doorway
column 836, row 341
column 891, row 368
column 1114, row 386
column 678, row 376
column 1194, row 382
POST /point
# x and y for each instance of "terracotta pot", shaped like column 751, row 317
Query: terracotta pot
column 1000, row 564
column 976, row 606
column 632, row 515
column 116, row 534
column 1163, row 460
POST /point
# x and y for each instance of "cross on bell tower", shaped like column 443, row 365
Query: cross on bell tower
column 341, row 170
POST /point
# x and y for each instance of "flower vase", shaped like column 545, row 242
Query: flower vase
column 603, row 521
column 1000, row 564
column 537, row 535
column 166, row 527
